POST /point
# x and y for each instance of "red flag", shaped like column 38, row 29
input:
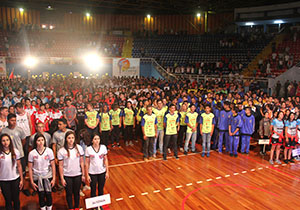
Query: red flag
column 11, row 76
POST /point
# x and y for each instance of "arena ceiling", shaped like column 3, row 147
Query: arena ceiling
column 140, row 6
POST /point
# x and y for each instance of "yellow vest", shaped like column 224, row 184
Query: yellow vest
column 92, row 117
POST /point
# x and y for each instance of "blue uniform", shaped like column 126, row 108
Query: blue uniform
column 223, row 120
column 216, row 112
column 236, row 123
column 246, row 131
column 242, row 113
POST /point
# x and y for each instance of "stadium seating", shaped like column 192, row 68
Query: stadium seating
column 170, row 49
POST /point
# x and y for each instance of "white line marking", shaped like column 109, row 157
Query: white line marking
column 276, row 166
column 236, row 174
column 267, row 166
column 138, row 162
column 167, row 189
column 189, row 184
column 243, row 172
column 209, row 180
column 131, row 196
column 156, row 191
column 218, row 177
column 179, row 186
column 292, row 164
column 260, row 168
column 199, row 182
column 252, row 169
column 227, row 175
column 119, row 199
column 145, row 193
column 284, row 164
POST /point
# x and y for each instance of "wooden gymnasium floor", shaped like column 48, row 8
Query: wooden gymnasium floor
column 193, row 182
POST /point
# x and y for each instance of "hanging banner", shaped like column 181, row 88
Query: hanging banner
column 128, row 67
column 2, row 67
column 61, row 60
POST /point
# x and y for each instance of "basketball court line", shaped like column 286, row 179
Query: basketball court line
column 189, row 184
column 275, row 168
column 210, row 179
column 200, row 181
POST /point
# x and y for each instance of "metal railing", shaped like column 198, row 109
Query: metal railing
column 163, row 72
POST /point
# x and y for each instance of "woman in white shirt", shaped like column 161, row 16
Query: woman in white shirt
column 71, row 169
column 11, row 176
column 96, row 165
column 41, row 168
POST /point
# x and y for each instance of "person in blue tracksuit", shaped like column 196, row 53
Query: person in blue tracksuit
column 215, row 137
column 247, row 130
column 241, row 111
column 223, row 126
column 235, row 124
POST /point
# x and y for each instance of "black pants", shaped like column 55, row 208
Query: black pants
column 215, row 139
column 139, row 133
column 167, row 140
column 115, row 134
column 80, row 123
column 148, row 147
column 26, row 150
column 105, row 137
column 181, row 134
column 73, row 189
column 23, row 164
column 45, row 198
column 97, row 179
column 10, row 191
column 128, row 133
column 91, row 131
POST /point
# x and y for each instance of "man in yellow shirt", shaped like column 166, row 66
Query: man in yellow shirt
column 207, row 125
column 160, row 113
column 149, row 128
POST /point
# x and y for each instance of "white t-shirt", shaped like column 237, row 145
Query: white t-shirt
column 8, row 170
column 72, row 163
column 3, row 125
column 23, row 122
column 41, row 162
column 96, row 159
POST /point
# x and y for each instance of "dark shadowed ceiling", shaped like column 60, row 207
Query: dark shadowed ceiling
column 140, row 6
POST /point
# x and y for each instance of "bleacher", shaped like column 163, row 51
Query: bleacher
column 170, row 49
column 288, row 47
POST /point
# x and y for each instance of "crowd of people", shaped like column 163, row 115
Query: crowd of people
column 62, row 128
column 225, row 65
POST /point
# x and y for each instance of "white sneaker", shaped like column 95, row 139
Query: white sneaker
column 130, row 143
column 154, row 155
column 86, row 187
column 278, row 162
column 169, row 150
column 181, row 149
column 126, row 143
column 82, row 194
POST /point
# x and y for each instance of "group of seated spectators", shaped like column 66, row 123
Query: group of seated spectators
column 224, row 66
